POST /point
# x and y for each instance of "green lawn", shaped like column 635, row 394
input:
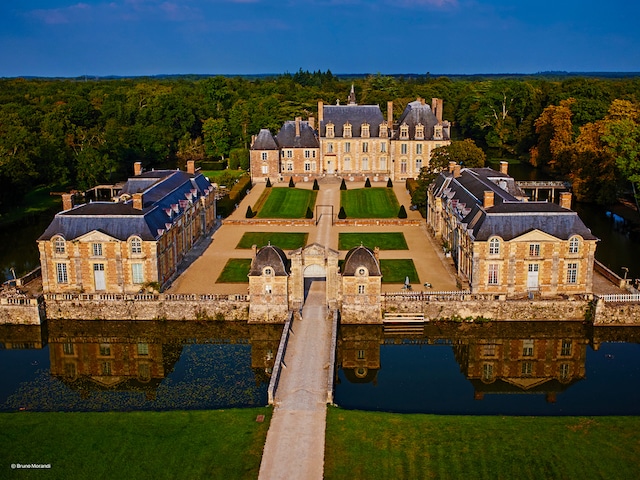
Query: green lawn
column 214, row 175
column 235, row 271
column 277, row 202
column 369, row 203
column 37, row 202
column 284, row 240
column 386, row 241
column 375, row 445
column 142, row 445
column 395, row 271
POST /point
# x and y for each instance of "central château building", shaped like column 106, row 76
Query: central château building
column 352, row 141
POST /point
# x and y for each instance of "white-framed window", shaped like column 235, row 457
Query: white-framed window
column 137, row 275
column 403, row 148
column 383, row 163
column 143, row 348
column 289, row 153
column 487, row 371
column 67, row 348
column 96, row 249
column 534, row 249
column 527, row 347
column 565, row 350
column 329, row 147
column 404, row 131
column 494, row 246
column 418, row 149
column 493, row 274
column 330, row 130
column 289, row 166
column 361, row 289
column 268, row 289
column 572, row 273
column 365, row 147
column 307, row 154
column 106, row 368
column 263, row 156
column 314, row 167
column 383, row 131
column 574, row 245
column 347, row 147
column 527, row 368
column 307, row 166
column 564, row 371
column 61, row 273
column 135, row 244
column 365, row 164
column 365, row 130
column 268, row 271
column 59, row 245
column 383, row 147
column 347, row 164
column 403, row 166
column 360, row 354
column 489, row 350
column 420, row 132
column 105, row 350
column 265, row 169
column 437, row 132
column 346, row 130
column 418, row 165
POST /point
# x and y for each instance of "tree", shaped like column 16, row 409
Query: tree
column 402, row 213
column 216, row 137
column 367, row 184
column 315, row 184
column 342, row 214
column 291, row 183
column 249, row 213
column 343, row 185
column 268, row 185
column 389, row 184
column 309, row 213
column 555, row 136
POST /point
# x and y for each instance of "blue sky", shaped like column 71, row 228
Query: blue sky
column 148, row 37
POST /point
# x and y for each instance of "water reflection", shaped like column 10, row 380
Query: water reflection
column 548, row 368
column 104, row 365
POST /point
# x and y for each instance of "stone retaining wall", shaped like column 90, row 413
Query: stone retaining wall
column 29, row 312
column 367, row 222
column 296, row 222
column 616, row 313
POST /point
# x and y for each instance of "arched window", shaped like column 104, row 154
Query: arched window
column 59, row 245
column 574, row 245
column 268, row 271
column 135, row 244
column 494, row 246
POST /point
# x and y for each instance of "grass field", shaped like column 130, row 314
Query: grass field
column 214, row 175
column 369, row 203
column 375, row 445
column 386, row 241
column 235, row 271
column 285, row 202
column 395, row 271
column 284, row 240
column 142, row 445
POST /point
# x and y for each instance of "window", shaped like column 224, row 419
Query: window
column 289, row 153
column 365, row 164
column 365, row 147
column 574, row 245
column 494, row 246
column 420, row 132
column 365, row 130
column 362, row 271
column 527, row 348
column 384, row 133
column 105, row 349
column 437, row 132
column 534, row 249
column 70, row 370
column 59, row 245
column 572, row 273
column 383, row 163
column 347, row 164
column 527, row 368
column 106, row 368
column 268, row 271
column 489, row 350
column 360, row 354
column 96, row 249
column 403, row 166
column 67, row 348
column 564, row 371
column 347, row 147
column 565, row 351
column 346, row 131
column 265, row 169
column 144, row 372
column 329, row 147
column 403, row 148
column 307, row 154
column 361, row 289
column 307, row 166
column 61, row 273
column 404, row 131
column 418, row 149
column 290, row 166
column 487, row 371
column 418, row 165
column 268, row 289
column 493, row 274
column 143, row 348
column 383, row 147
column 330, row 130
column 136, row 246
column 264, row 156
column 137, row 276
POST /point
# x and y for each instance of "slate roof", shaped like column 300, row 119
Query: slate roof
column 360, row 257
column 270, row 256
column 286, row 137
column 356, row 115
column 161, row 190
column 509, row 218
column 264, row 141
column 414, row 113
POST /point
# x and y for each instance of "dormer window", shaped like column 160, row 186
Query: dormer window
column 384, row 133
column 135, row 244
column 330, row 130
column 437, row 132
column 346, row 130
column 361, row 271
column 268, row 271
column 59, row 245
column 574, row 245
column 404, row 131
column 365, row 130
column 419, row 132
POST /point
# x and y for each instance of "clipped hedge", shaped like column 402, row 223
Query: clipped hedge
column 227, row 204
column 412, row 185
column 213, row 165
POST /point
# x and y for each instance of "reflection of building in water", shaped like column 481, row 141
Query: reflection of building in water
column 22, row 337
column 535, row 358
column 359, row 352
column 137, row 356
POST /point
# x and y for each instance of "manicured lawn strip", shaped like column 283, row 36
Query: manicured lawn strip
column 386, row 241
column 395, row 271
column 284, row 240
column 285, row 203
column 369, row 203
column 235, row 271
column 213, row 175
column 376, row 445
column 143, row 445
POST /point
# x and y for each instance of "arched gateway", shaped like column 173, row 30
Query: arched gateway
column 313, row 261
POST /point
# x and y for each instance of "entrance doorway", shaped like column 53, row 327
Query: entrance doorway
column 313, row 272
column 98, row 276
column 532, row 276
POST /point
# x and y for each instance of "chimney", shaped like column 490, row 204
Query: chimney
column 452, row 166
column 488, row 199
column 390, row 115
column 565, row 200
column 191, row 166
column 298, row 120
column 436, row 108
column 137, row 201
column 137, row 168
column 456, row 171
column 312, row 123
column 504, row 167
column 320, row 113
column 67, row 201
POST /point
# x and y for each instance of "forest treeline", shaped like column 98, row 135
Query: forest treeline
column 76, row 134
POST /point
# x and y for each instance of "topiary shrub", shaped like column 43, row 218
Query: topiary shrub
column 343, row 185
column 402, row 213
column 249, row 213
column 342, row 215
column 268, row 185
column 367, row 184
column 389, row 183
column 291, row 184
column 309, row 213
column 315, row 184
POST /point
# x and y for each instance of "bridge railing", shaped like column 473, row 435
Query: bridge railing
column 145, row 297
column 409, row 296
column 620, row 298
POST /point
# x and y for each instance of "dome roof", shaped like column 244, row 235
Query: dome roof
column 361, row 257
column 270, row 256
